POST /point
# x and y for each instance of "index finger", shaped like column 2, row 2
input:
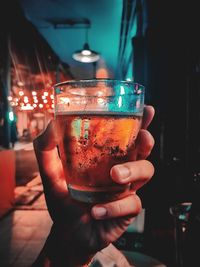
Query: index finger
column 148, row 115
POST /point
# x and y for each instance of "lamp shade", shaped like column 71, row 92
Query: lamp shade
column 86, row 55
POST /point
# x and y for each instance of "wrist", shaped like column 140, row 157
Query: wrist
column 60, row 250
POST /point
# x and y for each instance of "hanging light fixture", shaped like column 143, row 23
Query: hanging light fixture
column 86, row 55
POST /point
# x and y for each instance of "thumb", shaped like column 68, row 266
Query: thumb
column 49, row 163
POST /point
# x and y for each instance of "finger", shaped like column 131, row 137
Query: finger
column 47, row 140
column 139, row 171
column 130, row 205
column 48, row 159
column 144, row 144
column 147, row 116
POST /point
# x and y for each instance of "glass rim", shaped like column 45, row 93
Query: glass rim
column 72, row 82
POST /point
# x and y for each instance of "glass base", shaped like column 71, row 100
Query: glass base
column 98, row 195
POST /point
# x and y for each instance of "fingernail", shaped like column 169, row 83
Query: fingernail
column 123, row 171
column 99, row 212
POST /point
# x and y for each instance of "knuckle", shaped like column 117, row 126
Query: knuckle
column 115, row 209
column 152, row 169
column 138, row 206
column 148, row 171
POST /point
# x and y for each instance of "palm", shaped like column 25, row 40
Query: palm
column 99, row 234
column 70, row 214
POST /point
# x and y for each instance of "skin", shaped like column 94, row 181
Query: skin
column 80, row 230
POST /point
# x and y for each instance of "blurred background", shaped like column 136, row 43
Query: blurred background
column 155, row 43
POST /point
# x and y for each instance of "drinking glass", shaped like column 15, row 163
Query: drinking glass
column 97, row 122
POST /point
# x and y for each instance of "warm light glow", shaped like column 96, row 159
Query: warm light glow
column 25, row 99
column 21, row 93
column 99, row 93
column 100, row 101
column 27, row 107
column 19, row 83
column 86, row 58
column 86, row 52
column 102, row 73
column 64, row 100
column 33, row 99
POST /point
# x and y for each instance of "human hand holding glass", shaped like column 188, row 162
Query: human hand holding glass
column 79, row 229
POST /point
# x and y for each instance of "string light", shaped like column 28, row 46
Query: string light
column 25, row 99
column 27, row 108
column 21, row 93
column 29, row 100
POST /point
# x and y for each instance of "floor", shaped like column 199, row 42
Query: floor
column 23, row 233
column 26, row 164
column 24, row 229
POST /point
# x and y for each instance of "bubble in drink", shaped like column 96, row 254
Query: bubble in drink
column 89, row 145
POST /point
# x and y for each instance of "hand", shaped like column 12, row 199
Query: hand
column 86, row 228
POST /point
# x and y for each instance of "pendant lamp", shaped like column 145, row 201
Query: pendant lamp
column 86, row 55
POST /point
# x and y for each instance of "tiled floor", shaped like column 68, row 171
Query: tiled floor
column 23, row 232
